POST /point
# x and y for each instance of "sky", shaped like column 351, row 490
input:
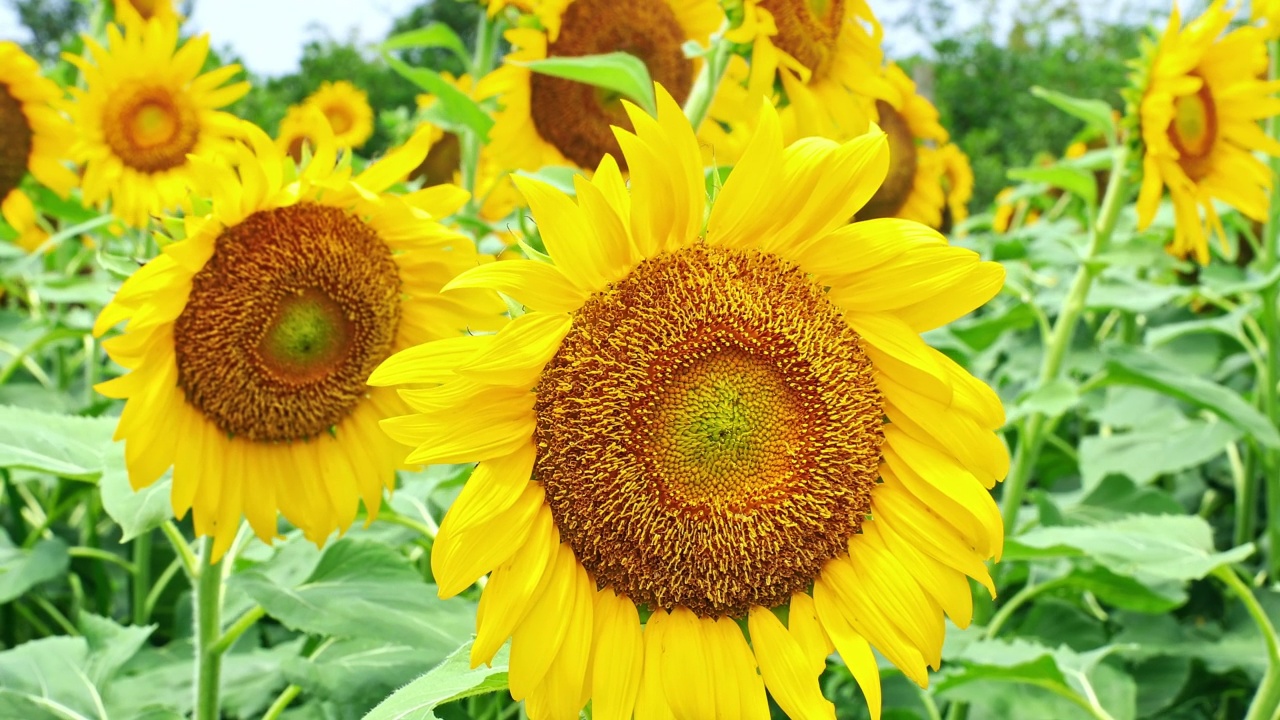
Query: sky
column 269, row 34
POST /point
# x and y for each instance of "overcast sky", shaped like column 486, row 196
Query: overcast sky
column 269, row 34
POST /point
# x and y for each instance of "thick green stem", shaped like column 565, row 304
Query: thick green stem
column 1266, row 701
column 141, row 577
column 715, row 63
column 208, row 601
column 1031, row 438
column 481, row 64
column 1268, row 390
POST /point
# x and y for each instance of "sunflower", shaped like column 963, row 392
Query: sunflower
column 1267, row 13
column 144, row 110
column 546, row 120
column 140, row 11
column 36, row 137
column 18, row 211
column 695, row 423
column 249, row 341
column 913, row 189
column 957, row 185
column 1200, row 106
column 301, row 125
column 346, row 107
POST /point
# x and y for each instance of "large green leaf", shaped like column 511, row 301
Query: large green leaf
column 1095, row 113
column 21, row 568
column 457, row 110
column 1144, row 456
column 434, row 35
column 452, row 679
column 364, row 589
column 1145, row 547
column 358, row 674
column 64, row 445
column 136, row 512
column 1073, row 180
column 1129, row 366
column 617, row 72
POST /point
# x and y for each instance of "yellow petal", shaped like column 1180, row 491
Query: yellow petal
column 745, row 202
column 802, row 621
column 651, row 702
column 433, row 362
column 520, row 350
column 514, row 588
column 947, row 586
column 863, row 614
column 615, row 682
column 785, row 671
column 893, row 505
column 858, row 248
column 738, row 685
column 560, row 695
column 899, row 596
column 538, row 637
column 686, row 668
column 853, row 648
column 490, row 433
column 567, row 235
column 897, row 351
column 494, row 486
column 973, row 289
column 537, row 285
column 459, row 559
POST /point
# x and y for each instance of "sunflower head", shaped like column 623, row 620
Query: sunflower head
column 957, row 184
column 1201, row 98
column 135, row 12
column 144, row 110
column 713, row 419
column 347, row 109
column 20, row 213
column 36, row 136
column 300, row 127
column 248, row 340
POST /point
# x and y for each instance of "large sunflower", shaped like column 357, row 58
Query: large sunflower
column 145, row 108
column 248, row 342
column 913, row 189
column 1201, row 102
column 551, row 121
column 36, row 136
column 695, row 423
column 346, row 107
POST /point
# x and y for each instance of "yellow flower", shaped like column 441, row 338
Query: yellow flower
column 827, row 55
column 21, row 216
column 1267, row 13
column 143, row 110
column 346, row 107
column 696, row 421
column 36, row 136
column 301, row 125
column 551, row 121
column 140, row 11
column 1201, row 103
column 249, row 341
column 913, row 188
column 957, row 182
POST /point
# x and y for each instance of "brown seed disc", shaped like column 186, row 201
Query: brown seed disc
column 442, row 161
column 16, row 149
column 150, row 128
column 893, row 194
column 808, row 30
column 709, row 432
column 1194, row 131
column 285, row 322
column 575, row 117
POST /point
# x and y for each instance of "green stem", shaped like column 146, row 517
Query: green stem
column 141, row 584
column 1266, row 701
column 1018, row 600
column 190, row 565
column 289, row 693
column 481, row 64
column 1031, row 439
column 238, row 628
column 157, row 588
column 1270, row 327
column 94, row 553
column 704, row 88
column 208, row 601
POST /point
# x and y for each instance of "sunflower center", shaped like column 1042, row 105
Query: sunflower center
column 340, row 118
column 150, row 128
column 146, row 8
column 1194, row 130
column 285, row 322
column 708, row 432
column 903, row 157
column 442, row 161
column 15, row 150
column 808, row 30
column 576, row 117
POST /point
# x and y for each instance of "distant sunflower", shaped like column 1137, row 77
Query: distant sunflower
column 144, row 110
column 249, row 341
column 546, row 120
column 1200, row 106
column 913, row 188
column 21, row 216
column 347, row 109
column 1267, row 13
column 696, row 422
column 36, row 136
column 140, row 11
column 300, row 127
column 957, row 185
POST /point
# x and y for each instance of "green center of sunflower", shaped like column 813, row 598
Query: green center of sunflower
column 15, row 150
column 1194, row 130
column 903, row 159
column 709, row 432
column 808, row 30
column 285, row 322
column 575, row 117
column 150, row 128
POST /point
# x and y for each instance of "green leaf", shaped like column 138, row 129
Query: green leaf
column 364, row 589
column 22, row 569
column 48, row 674
column 1145, row 547
column 1130, row 366
column 1052, row 399
column 1117, row 497
column 1095, row 113
column 110, row 645
column 983, row 331
column 1073, row 180
column 456, row 107
column 359, row 673
column 1144, row 456
column 68, row 446
column 1132, row 296
column 136, row 512
column 434, row 35
column 619, row 72
column 1126, row 592
column 451, row 680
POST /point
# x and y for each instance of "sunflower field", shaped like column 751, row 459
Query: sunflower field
column 658, row 360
